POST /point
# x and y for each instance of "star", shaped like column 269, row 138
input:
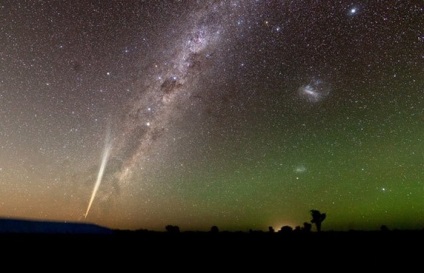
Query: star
column 353, row 11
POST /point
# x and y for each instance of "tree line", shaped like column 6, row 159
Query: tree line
column 317, row 219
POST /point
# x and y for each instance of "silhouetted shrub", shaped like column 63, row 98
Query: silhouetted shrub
column 384, row 228
column 286, row 229
column 172, row 229
column 214, row 229
column 307, row 227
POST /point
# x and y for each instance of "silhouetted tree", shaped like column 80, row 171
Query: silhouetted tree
column 271, row 229
column 307, row 227
column 317, row 218
column 214, row 229
column 172, row 229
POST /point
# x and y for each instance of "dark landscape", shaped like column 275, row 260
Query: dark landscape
column 88, row 238
column 82, row 246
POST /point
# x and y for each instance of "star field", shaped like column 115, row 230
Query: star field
column 239, row 114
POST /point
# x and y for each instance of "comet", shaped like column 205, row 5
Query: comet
column 105, row 157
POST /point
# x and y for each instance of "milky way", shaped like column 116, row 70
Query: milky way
column 239, row 114
column 173, row 80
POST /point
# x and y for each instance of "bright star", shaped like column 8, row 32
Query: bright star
column 353, row 11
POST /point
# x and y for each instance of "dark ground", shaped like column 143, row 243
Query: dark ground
column 388, row 249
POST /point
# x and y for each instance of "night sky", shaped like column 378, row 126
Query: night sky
column 241, row 114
